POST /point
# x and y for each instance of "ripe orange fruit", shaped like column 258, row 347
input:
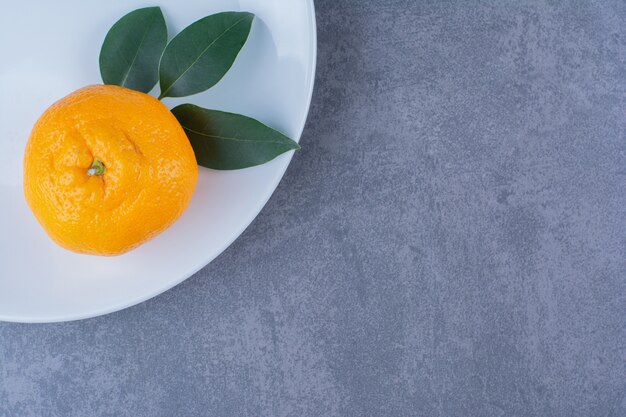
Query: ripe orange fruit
column 106, row 169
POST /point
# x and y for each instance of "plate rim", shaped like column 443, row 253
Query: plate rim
column 197, row 267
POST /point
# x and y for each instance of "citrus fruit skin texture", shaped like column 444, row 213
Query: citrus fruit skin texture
column 150, row 171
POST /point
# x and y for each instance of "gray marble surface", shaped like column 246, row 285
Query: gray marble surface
column 450, row 240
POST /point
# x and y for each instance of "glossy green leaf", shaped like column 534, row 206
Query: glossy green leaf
column 227, row 141
column 131, row 50
column 199, row 56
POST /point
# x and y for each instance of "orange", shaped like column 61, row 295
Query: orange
column 106, row 169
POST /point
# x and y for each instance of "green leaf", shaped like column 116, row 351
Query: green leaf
column 199, row 56
column 131, row 50
column 226, row 141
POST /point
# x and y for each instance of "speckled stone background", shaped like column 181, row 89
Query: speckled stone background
column 450, row 241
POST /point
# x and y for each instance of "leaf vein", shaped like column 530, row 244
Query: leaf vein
column 233, row 138
column 123, row 83
column 200, row 56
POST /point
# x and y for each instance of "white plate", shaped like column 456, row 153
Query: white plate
column 50, row 49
